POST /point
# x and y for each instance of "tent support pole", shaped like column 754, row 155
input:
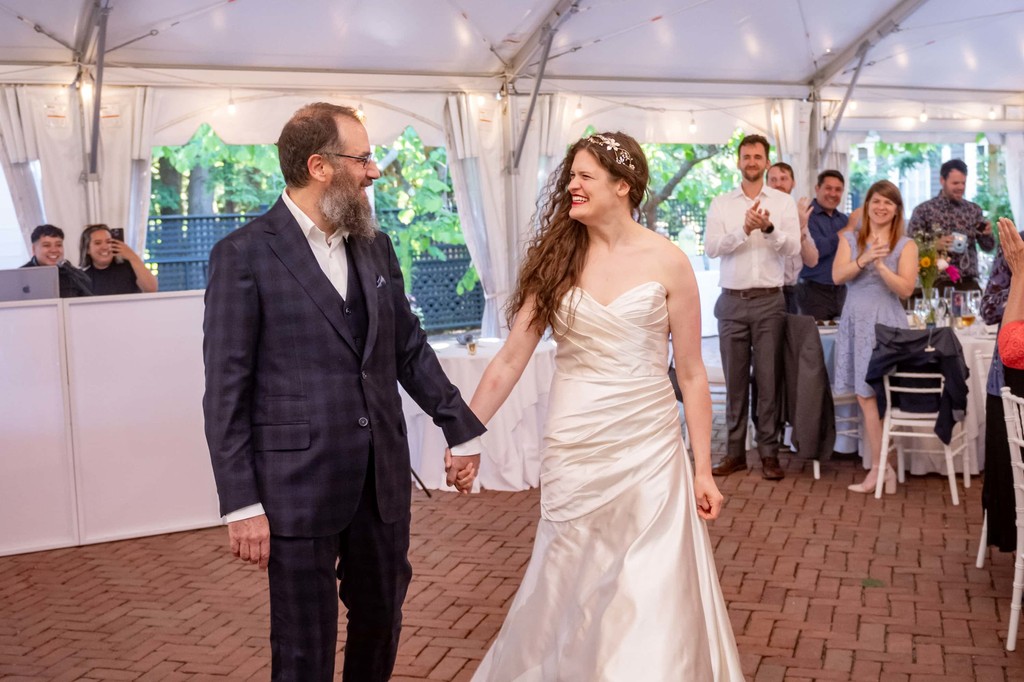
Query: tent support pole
column 862, row 54
column 101, row 45
column 549, row 36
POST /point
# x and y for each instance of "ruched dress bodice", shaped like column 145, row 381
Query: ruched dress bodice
column 622, row 584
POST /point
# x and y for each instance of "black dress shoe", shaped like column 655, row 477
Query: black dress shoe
column 770, row 469
column 729, row 465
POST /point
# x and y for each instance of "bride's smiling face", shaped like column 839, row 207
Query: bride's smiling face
column 593, row 190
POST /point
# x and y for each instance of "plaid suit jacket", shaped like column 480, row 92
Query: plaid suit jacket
column 291, row 408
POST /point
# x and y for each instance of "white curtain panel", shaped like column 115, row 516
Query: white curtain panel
column 545, row 147
column 476, row 154
column 55, row 115
column 140, row 171
column 17, row 152
column 1013, row 154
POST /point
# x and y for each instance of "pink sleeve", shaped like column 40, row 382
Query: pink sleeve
column 1011, row 344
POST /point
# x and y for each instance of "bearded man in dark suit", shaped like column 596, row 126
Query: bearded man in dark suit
column 307, row 335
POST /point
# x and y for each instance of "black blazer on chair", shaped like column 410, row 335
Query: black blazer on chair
column 292, row 409
column 809, row 408
column 922, row 350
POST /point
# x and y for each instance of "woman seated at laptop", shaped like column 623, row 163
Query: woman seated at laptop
column 111, row 265
column 48, row 249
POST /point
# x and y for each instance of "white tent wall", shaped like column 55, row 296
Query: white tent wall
column 17, row 152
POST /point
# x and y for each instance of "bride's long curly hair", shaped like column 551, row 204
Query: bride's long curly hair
column 558, row 251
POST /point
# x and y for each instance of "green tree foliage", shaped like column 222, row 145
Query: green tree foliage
column 889, row 158
column 684, row 178
column 415, row 203
column 207, row 176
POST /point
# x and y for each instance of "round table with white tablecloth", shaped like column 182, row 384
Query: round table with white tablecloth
column 511, row 448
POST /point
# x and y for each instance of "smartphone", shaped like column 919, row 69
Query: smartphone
column 117, row 233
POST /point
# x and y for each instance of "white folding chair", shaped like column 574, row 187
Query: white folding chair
column 901, row 424
column 982, row 363
column 1013, row 411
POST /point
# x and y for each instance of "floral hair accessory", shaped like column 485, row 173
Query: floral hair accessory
column 622, row 157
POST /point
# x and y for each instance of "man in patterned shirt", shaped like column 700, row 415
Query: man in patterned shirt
column 949, row 214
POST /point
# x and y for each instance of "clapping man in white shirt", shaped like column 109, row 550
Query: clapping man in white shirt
column 753, row 229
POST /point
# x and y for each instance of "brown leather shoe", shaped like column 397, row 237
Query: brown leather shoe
column 729, row 465
column 770, row 469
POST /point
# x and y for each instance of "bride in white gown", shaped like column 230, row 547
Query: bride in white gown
column 622, row 582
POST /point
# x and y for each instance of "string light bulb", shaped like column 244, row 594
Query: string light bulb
column 992, row 113
column 693, row 124
column 852, row 106
column 923, row 116
column 86, row 90
column 232, row 109
column 579, row 107
column 360, row 114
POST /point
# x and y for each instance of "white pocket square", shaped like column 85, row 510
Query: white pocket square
column 380, row 281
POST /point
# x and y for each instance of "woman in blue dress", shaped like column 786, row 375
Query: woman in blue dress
column 878, row 264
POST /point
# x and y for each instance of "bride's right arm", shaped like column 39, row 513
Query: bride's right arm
column 507, row 366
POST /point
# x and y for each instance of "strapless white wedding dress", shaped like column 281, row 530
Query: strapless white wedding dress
column 621, row 585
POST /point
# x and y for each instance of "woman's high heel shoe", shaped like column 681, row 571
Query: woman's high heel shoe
column 867, row 485
column 869, row 482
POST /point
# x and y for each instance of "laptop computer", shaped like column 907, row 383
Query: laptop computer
column 29, row 284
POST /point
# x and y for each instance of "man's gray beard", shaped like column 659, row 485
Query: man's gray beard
column 349, row 213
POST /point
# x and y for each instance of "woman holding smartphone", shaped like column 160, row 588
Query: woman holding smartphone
column 111, row 265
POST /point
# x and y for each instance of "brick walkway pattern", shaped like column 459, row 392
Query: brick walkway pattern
column 822, row 584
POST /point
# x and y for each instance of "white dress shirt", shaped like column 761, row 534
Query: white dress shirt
column 756, row 260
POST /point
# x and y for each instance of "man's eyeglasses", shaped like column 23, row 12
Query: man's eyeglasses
column 368, row 158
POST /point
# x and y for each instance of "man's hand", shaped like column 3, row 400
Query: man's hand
column 1012, row 245
column 986, row 226
column 461, row 471
column 943, row 243
column 250, row 540
column 756, row 218
column 803, row 211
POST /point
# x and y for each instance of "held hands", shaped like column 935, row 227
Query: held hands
column 250, row 540
column 756, row 218
column 461, row 471
column 1012, row 245
column 709, row 499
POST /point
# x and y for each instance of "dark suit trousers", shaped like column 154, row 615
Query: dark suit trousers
column 751, row 331
column 370, row 558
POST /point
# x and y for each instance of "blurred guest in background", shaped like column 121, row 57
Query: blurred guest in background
column 956, row 224
column 48, row 249
column 112, row 266
column 780, row 177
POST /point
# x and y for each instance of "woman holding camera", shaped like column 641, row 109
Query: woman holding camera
column 111, row 265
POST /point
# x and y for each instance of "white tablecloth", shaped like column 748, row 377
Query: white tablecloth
column 923, row 463
column 510, row 459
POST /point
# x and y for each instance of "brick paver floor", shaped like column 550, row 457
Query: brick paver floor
column 821, row 584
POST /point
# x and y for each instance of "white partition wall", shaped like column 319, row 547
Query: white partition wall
column 135, row 371
column 37, row 495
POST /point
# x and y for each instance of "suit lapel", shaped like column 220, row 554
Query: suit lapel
column 292, row 248
column 362, row 256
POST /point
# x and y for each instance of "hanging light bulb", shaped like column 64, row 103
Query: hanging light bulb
column 360, row 114
column 992, row 113
column 579, row 107
column 693, row 124
column 923, row 116
column 86, row 89
column 232, row 109
column 480, row 99
column 852, row 106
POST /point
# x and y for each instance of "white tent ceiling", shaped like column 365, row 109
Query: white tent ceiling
column 962, row 61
